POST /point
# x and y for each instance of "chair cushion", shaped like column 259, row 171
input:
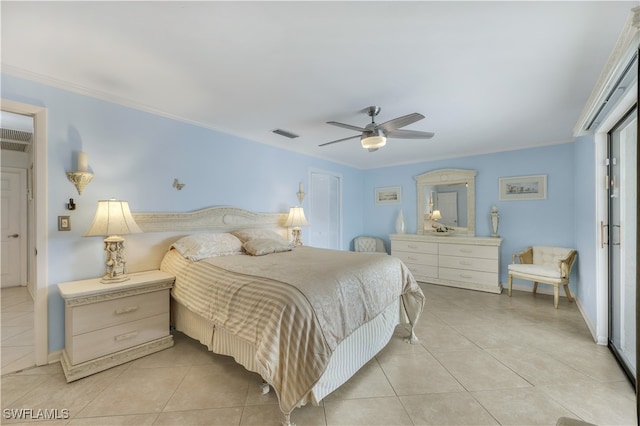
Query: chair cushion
column 549, row 256
column 547, row 272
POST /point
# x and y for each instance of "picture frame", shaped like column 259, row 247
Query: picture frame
column 388, row 195
column 532, row 187
column 64, row 223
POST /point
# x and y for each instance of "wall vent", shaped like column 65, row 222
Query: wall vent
column 285, row 133
column 15, row 140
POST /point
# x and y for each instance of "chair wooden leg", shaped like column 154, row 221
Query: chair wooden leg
column 535, row 287
column 510, row 284
column 568, row 293
column 556, row 296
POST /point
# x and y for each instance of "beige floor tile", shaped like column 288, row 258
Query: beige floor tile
column 210, row 417
column 458, row 408
column 136, row 391
column 442, row 338
column 477, row 370
column 369, row 411
column 212, row 386
column 538, row 368
column 369, row 382
column 270, row 415
column 130, row 420
column 185, row 352
column 13, row 387
column 417, row 374
column 525, row 407
column 611, row 403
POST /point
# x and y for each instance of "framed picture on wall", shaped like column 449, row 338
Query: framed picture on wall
column 389, row 195
column 523, row 188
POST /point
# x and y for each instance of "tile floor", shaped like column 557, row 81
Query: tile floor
column 16, row 319
column 484, row 359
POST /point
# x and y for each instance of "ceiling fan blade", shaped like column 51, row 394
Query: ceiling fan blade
column 409, row 134
column 346, row 126
column 396, row 123
column 340, row 140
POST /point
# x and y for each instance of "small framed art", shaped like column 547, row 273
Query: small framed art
column 389, row 195
column 523, row 188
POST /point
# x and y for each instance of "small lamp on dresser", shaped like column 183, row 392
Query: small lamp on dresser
column 113, row 219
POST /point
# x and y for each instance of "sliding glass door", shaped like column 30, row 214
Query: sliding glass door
column 622, row 228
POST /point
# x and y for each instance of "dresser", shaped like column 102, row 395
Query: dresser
column 110, row 324
column 456, row 261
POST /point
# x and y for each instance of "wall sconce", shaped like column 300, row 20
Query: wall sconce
column 82, row 177
column 300, row 192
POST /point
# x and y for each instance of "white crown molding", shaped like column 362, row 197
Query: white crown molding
column 625, row 48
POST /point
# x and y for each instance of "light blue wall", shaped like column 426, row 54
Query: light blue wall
column 522, row 223
column 136, row 155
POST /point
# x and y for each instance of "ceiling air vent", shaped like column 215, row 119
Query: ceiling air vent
column 285, row 133
column 15, row 140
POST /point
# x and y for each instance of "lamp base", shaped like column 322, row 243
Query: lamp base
column 116, row 264
column 297, row 236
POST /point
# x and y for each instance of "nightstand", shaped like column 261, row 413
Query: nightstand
column 109, row 324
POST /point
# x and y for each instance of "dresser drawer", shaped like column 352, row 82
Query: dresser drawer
column 414, row 246
column 466, row 250
column 465, row 276
column 95, row 344
column 468, row 263
column 417, row 258
column 422, row 272
column 99, row 315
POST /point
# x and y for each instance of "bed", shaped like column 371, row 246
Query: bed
column 305, row 319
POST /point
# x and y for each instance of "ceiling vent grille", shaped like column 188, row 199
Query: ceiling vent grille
column 15, row 140
column 285, row 133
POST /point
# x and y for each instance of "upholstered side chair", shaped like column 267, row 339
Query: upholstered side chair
column 369, row 244
column 546, row 265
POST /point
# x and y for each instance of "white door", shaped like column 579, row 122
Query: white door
column 325, row 211
column 447, row 203
column 13, row 216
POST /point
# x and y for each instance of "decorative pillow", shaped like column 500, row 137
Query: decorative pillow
column 262, row 246
column 251, row 234
column 200, row 246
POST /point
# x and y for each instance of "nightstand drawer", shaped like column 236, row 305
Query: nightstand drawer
column 112, row 339
column 105, row 314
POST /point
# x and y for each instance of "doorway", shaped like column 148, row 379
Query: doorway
column 622, row 244
column 37, row 253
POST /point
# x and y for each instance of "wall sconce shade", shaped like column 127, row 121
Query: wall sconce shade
column 295, row 220
column 81, row 178
column 112, row 220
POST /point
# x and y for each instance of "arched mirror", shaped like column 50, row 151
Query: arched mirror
column 447, row 197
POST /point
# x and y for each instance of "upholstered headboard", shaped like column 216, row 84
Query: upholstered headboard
column 145, row 251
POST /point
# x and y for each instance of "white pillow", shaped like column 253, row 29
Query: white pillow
column 251, row 234
column 262, row 246
column 201, row 246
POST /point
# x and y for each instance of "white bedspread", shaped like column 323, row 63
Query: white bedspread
column 294, row 307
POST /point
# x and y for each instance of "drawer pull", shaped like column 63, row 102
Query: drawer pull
column 411, row 258
column 468, row 277
column 125, row 336
column 411, row 246
column 466, row 263
column 463, row 250
column 125, row 310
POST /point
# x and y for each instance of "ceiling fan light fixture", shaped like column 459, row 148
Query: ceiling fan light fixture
column 373, row 140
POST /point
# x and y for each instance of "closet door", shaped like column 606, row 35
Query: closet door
column 325, row 210
column 623, row 190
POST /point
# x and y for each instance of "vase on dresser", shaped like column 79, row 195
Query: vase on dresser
column 400, row 225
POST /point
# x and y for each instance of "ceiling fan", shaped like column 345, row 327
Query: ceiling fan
column 374, row 136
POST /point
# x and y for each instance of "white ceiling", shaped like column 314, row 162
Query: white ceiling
column 488, row 76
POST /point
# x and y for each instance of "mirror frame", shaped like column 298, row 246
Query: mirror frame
column 448, row 177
